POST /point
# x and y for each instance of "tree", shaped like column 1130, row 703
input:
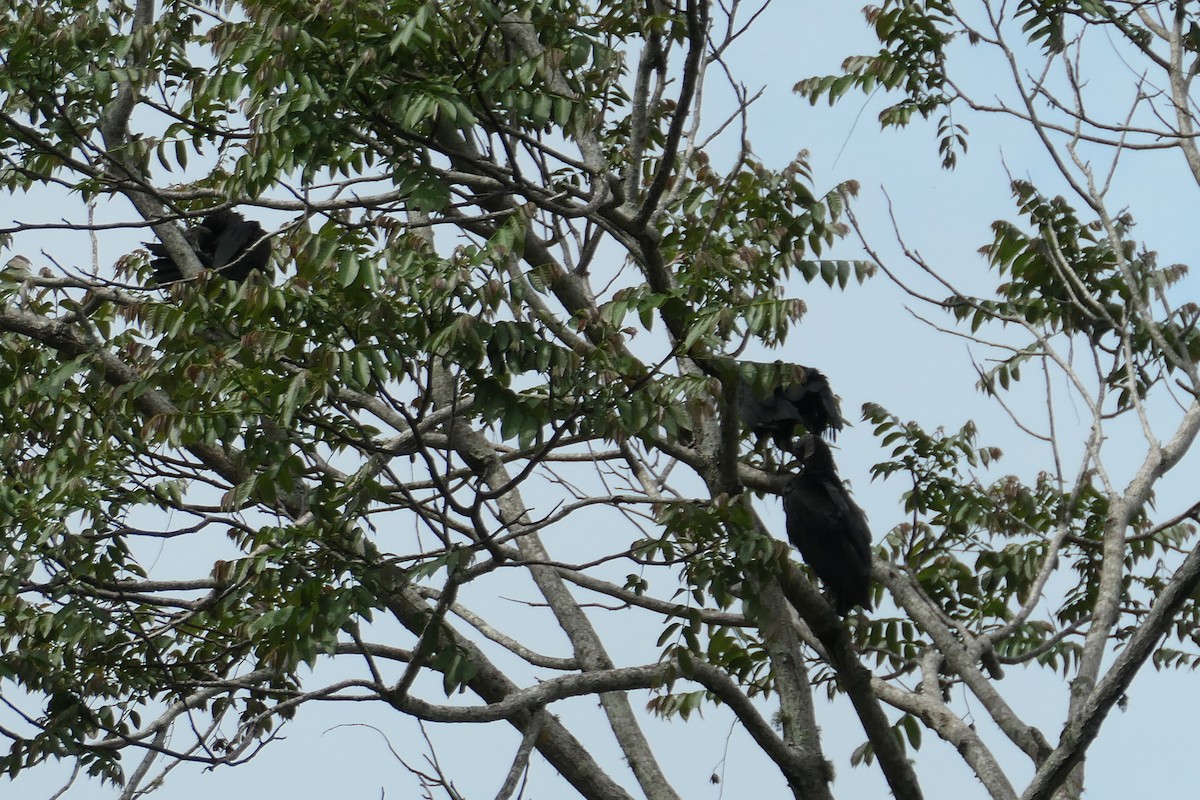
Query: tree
column 496, row 354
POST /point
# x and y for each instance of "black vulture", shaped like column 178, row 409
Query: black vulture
column 828, row 529
column 225, row 241
column 806, row 400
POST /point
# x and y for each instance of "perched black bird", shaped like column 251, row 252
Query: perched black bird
column 225, row 241
column 828, row 529
column 806, row 400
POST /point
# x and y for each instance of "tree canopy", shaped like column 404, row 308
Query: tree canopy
column 498, row 356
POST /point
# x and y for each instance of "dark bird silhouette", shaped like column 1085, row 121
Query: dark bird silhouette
column 224, row 241
column 828, row 529
column 805, row 400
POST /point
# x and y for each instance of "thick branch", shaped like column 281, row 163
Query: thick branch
column 565, row 753
column 1085, row 723
column 589, row 648
column 962, row 660
column 857, row 681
